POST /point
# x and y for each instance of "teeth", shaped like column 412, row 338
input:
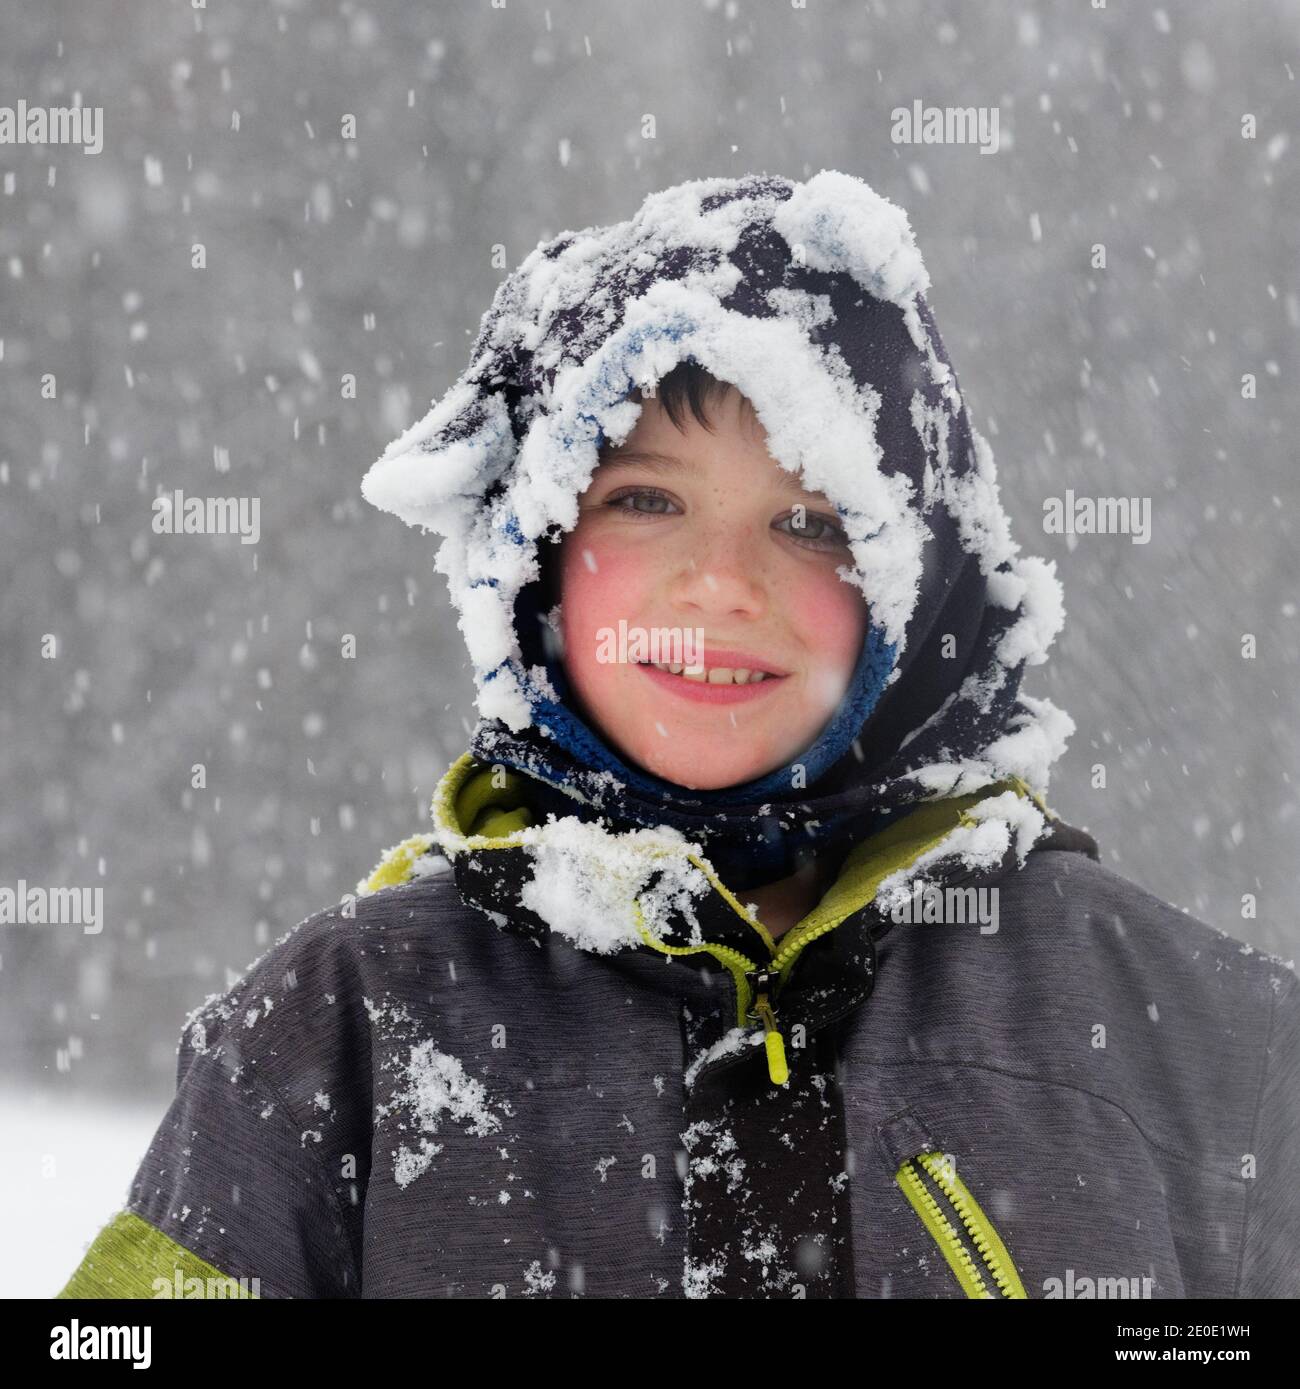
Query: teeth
column 718, row 675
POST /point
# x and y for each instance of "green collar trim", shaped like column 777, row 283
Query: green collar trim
column 480, row 808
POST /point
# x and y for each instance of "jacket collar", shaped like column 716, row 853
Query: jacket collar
column 609, row 890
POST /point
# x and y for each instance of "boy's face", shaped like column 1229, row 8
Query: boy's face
column 721, row 541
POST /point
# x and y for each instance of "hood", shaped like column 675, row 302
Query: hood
column 809, row 298
column 654, row 890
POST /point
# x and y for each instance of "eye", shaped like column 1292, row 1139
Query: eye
column 818, row 532
column 651, row 494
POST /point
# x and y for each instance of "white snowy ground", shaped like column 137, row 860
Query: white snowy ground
column 65, row 1167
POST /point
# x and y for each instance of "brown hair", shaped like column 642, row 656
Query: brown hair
column 688, row 386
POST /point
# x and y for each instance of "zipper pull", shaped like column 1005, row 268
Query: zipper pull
column 776, row 1067
column 761, row 980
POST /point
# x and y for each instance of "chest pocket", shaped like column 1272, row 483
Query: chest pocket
column 945, row 1206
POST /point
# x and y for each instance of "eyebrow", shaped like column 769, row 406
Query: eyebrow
column 668, row 462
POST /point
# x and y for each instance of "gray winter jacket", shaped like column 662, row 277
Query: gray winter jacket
column 422, row 1093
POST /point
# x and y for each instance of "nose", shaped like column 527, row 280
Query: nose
column 720, row 574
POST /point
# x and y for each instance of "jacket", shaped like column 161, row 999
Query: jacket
column 424, row 1092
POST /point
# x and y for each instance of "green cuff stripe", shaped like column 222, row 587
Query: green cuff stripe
column 129, row 1258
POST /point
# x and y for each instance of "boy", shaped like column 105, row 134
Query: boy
column 745, row 958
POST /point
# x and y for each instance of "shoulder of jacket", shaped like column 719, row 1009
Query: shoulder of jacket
column 319, row 955
column 1156, row 929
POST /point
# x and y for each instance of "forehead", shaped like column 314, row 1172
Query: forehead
column 669, row 464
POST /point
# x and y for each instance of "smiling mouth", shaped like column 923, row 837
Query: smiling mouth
column 718, row 675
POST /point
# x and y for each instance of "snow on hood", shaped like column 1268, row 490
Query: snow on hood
column 789, row 291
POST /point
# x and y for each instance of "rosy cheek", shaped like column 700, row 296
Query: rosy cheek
column 832, row 616
column 601, row 572
column 600, row 582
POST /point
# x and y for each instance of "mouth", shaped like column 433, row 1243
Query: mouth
column 715, row 675
column 715, row 684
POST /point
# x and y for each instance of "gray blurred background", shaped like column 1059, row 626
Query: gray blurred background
column 478, row 126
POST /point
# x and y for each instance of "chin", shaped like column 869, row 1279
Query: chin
column 686, row 773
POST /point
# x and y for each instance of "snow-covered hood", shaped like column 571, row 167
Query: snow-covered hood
column 808, row 297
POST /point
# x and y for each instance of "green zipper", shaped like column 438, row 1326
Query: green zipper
column 962, row 1240
column 741, row 967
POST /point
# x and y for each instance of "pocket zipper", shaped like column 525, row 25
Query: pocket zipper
column 969, row 1243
